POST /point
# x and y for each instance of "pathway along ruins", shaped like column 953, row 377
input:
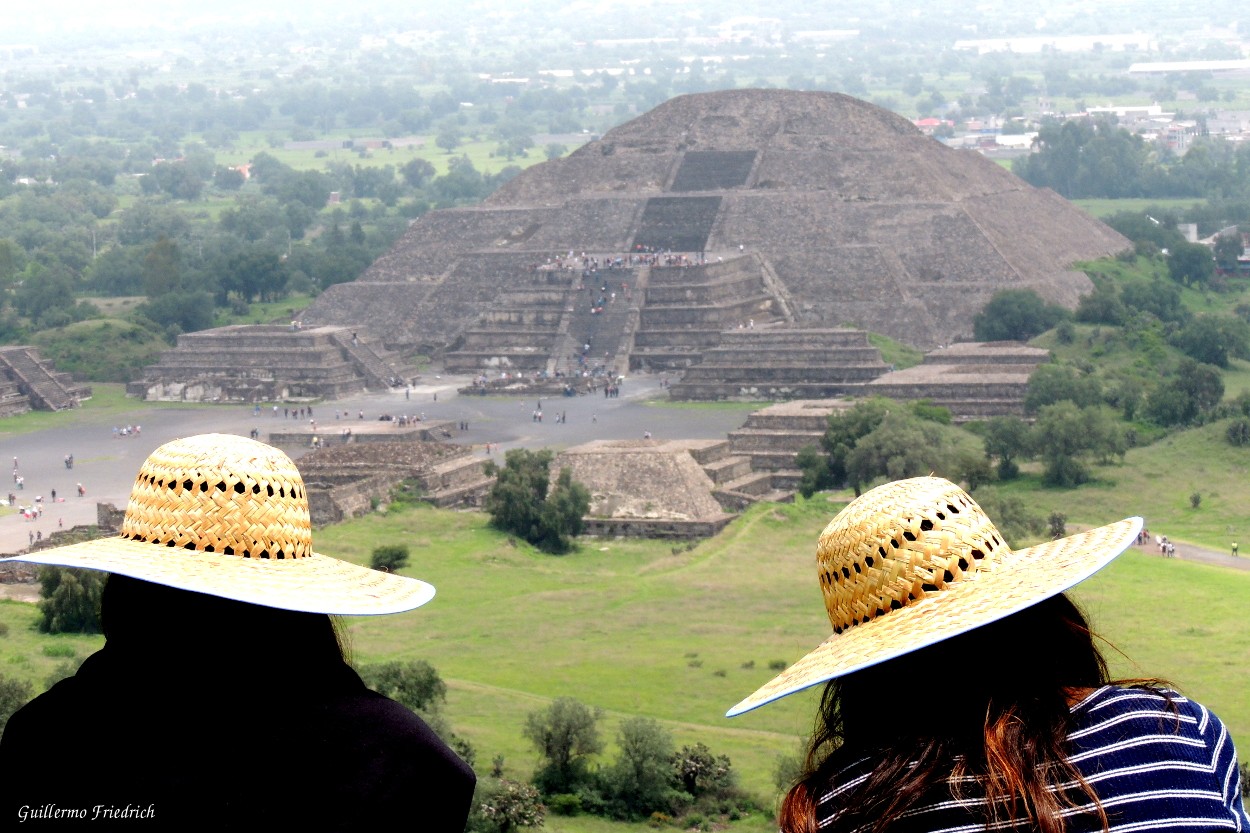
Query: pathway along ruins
column 106, row 463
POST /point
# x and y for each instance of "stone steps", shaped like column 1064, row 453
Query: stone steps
column 711, row 391
column 728, row 469
column 747, row 440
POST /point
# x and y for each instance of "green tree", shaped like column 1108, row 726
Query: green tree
column 1189, row 394
column 415, row 684
column 845, row 430
column 417, row 172
column 1015, row 315
column 565, row 734
column 162, row 268
column 448, row 136
column 1007, row 439
column 389, row 558
column 13, row 695
column 815, row 468
column 519, row 501
column 1052, row 383
column 1227, row 249
column 642, row 780
column 1065, row 436
column 69, row 600
column 1191, row 264
column 901, row 446
column 1160, row 298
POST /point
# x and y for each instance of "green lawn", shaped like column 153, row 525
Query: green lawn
column 1106, row 207
column 635, row 628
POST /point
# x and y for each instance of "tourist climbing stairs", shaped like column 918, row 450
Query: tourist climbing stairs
column 44, row 388
column 378, row 372
column 604, row 316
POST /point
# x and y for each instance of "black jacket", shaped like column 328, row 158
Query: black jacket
column 131, row 741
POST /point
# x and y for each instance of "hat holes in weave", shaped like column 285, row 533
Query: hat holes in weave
column 952, row 508
column 881, row 552
column 895, row 605
column 846, row 573
column 203, row 485
column 909, row 535
column 894, row 542
column 188, row 485
column 256, row 488
column 929, row 588
column 239, row 488
column 963, row 563
column 868, row 561
column 977, row 554
column 270, row 488
column 209, row 548
column 856, row 566
column 221, row 485
column 948, row 577
column 227, row 551
column 940, row 516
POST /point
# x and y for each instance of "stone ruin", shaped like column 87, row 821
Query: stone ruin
column 269, row 362
column 347, row 480
column 28, row 381
column 975, row 380
column 803, row 210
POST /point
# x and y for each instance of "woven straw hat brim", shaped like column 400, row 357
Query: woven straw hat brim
column 314, row 584
column 1023, row 579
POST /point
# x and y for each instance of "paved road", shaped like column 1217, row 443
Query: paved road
column 106, row 464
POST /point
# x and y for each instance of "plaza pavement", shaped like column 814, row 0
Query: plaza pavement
column 106, row 464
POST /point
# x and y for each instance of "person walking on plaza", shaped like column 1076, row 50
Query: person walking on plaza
column 964, row 690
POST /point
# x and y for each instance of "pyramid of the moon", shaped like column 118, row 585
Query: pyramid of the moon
column 849, row 215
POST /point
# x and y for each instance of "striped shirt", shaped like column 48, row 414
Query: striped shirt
column 1157, row 761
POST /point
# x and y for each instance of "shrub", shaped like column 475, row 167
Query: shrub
column 13, row 695
column 58, row 649
column 564, row 804
column 1195, row 500
column 1238, row 432
column 389, row 558
column 70, row 600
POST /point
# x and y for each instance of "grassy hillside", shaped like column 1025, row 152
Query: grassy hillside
column 635, row 627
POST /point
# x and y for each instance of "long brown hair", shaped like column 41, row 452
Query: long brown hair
column 992, row 704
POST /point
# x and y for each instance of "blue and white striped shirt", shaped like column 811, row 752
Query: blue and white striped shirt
column 1156, row 762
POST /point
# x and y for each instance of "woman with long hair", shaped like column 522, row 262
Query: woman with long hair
column 964, row 690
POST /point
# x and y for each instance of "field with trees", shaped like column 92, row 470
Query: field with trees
column 676, row 635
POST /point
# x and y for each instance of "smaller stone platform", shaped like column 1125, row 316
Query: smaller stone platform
column 974, row 380
column 268, row 363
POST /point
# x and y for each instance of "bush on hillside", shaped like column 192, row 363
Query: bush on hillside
column 1015, row 315
column 389, row 558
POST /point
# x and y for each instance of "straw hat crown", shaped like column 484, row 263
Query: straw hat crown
column 200, row 493
column 900, row 543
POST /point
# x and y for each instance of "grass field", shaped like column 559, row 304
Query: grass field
column 1107, row 207
column 641, row 627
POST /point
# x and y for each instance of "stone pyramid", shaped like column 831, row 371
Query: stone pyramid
column 859, row 219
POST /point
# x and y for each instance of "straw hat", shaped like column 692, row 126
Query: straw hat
column 916, row 561
column 228, row 516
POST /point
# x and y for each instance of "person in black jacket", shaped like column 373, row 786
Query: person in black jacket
column 222, row 698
